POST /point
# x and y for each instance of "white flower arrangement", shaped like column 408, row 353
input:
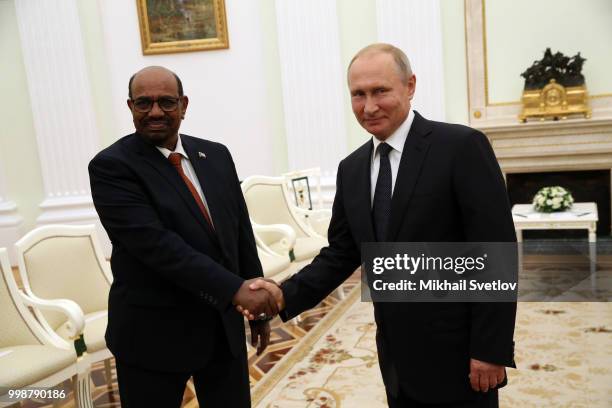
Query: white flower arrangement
column 552, row 199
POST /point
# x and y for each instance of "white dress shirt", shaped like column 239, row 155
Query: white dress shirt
column 396, row 141
column 187, row 169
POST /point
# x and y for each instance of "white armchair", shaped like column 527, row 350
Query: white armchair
column 66, row 261
column 317, row 219
column 29, row 356
column 268, row 203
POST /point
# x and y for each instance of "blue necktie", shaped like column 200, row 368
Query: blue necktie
column 382, row 194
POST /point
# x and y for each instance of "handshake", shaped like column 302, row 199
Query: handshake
column 259, row 299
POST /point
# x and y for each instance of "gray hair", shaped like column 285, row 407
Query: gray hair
column 401, row 60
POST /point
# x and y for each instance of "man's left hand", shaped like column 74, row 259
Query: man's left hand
column 485, row 376
column 260, row 334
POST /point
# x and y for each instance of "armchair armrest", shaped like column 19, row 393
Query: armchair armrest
column 287, row 234
column 76, row 317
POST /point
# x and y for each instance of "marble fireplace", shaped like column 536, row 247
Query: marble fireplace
column 576, row 154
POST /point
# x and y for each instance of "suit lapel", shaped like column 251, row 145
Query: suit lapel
column 204, row 165
column 413, row 156
column 163, row 166
column 362, row 194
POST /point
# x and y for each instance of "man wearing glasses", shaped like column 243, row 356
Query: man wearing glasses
column 183, row 254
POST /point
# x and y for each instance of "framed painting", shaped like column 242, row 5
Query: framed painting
column 168, row 26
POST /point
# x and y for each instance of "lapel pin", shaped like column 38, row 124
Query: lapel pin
column 202, row 155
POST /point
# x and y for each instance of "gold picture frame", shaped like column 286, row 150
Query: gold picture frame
column 168, row 26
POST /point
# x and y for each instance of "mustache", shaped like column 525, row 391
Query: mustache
column 156, row 121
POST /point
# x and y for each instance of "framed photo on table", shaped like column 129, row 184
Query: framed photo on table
column 168, row 26
column 301, row 192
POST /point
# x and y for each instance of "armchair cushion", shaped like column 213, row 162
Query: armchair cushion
column 26, row 365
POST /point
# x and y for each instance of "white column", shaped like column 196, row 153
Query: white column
column 62, row 106
column 415, row 27
column 10, row 222
column 313, row 83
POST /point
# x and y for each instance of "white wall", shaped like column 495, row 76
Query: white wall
column 226, row 88
column 19, row 159
column 313, row 92
column 455, row 67
column 518, row 32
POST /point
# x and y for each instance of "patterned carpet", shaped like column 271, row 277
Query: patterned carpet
column 564, row 359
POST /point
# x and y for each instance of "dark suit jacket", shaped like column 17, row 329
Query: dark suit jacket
column 174, row 277
column 449, row 188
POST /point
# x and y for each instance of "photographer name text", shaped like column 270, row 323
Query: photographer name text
column 443, row 285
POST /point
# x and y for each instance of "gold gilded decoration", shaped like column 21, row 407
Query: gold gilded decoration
column 555, row 101
column 555, row 88
column 168, row 26
column 477, row 114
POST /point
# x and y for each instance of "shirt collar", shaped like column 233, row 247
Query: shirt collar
column 397, row 138
column 178, row 149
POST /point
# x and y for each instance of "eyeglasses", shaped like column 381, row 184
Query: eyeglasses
column 144, row 104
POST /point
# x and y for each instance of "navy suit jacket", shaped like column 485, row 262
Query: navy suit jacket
column 174, row 277
column 449, row 188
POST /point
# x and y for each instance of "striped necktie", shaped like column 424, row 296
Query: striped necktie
column 175, row 159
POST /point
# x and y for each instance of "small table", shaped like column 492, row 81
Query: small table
column 580, row 216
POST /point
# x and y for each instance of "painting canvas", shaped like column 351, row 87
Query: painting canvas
column 182, row 25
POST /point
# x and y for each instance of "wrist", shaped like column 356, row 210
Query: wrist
column 236, row 293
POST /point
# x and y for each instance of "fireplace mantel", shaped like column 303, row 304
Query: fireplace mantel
column 571, row 144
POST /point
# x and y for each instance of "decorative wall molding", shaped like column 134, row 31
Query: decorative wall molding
column 62, row 106
column 405, row 23
column 313, row 83
column 483, row 113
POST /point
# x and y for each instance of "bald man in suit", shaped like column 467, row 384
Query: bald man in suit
column 183, row 254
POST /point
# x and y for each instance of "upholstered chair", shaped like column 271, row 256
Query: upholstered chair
column 66, row 261
column 31, row 359
column 268, row 202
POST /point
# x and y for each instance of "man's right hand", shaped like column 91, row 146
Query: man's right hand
column 263, row 285
column 255, row 302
